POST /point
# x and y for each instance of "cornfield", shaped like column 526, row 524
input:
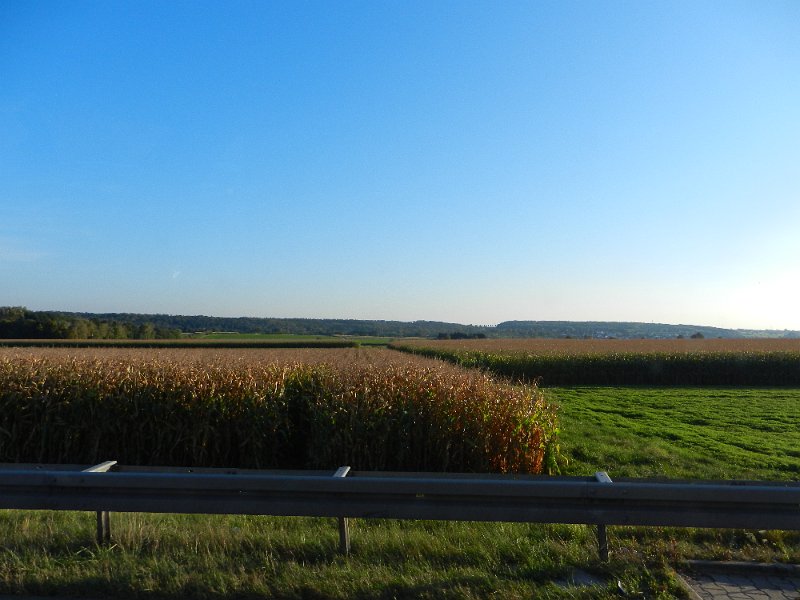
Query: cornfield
column 571, row 346
column 370, row 409
column 626, row 362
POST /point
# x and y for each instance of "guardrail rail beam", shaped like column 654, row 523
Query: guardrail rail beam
column 344, row 494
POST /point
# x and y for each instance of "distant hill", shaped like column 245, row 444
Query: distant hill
column 551, row 329
column 19, row 322
column 623, row 330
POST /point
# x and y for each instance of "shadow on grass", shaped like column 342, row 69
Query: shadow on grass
column 450, row 587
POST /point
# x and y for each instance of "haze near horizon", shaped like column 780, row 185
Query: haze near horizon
column 453, row 161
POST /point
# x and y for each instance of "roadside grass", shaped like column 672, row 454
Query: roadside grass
column 171, row 556
column 697, row 433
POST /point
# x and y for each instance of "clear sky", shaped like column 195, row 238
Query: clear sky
column 443, row 160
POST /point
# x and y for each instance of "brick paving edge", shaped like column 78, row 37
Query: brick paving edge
column 784, row 569
column 686, row 586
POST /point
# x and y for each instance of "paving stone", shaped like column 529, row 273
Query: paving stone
column 742, row 582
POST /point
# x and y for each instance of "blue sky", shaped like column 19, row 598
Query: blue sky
column 461, row 161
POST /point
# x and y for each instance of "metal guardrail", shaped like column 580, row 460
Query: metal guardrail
column 442, row 496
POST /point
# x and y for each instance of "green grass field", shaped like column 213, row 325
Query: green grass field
column 222, row 335
column 364, row 340
column 210, row 340
column 698, row 433
column 716, row 433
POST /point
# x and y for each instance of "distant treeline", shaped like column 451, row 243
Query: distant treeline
column 628, row 330
column 433, row 329
column 20, row 323
column 461, row 336
column 149, row 326
column 600, row 329
column 354, row 327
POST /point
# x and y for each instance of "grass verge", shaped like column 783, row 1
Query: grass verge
column 171, row 556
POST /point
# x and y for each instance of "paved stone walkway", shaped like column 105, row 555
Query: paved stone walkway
column 742, row 581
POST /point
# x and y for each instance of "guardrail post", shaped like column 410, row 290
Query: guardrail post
column 103, row 516
column 344, row 530
column 602, row 535
column 103, row 528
